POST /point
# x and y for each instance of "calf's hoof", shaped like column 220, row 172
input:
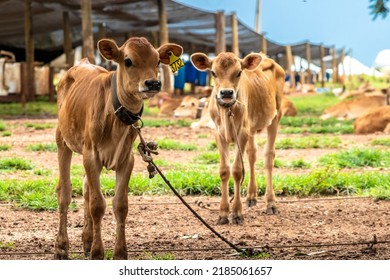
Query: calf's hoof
column 271, row 210
column 222, row 221
column 238, row 220
column 61, row 256
column 251, row 202
column 120, row 255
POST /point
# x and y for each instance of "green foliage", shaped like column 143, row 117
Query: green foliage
column 299, row 163
column 36, row 108
column 15, row 164
column 357, row 157
column 51, row 147
column 9, row 244
column 158, row 257
column 170, row 144
column 6, row 133
column 313, row 105
column 378, row 7
column 165, row 123
column 39, row 126
column 295, row 125
column 207, row 158
column 5, row 147
column 381, row 142
column 309, row 142
column 2, row 126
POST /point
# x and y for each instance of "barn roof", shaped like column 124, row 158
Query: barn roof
column 193, row 28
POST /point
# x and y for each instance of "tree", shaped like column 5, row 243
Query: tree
column 378, row 7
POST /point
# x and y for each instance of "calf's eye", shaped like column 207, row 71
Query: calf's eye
column 239, row 74
column 128, row 62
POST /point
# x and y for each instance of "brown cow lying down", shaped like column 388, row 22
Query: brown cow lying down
column 248, row 96
column 189, row 108
column 375, row 120
column 352, row 109
column 95, row 111
column 288, row 108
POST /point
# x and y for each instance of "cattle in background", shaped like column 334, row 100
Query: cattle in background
column 96, row 109
column 288, row 108
column 205, row 119
column 354, row 108
column 375, row 120
column 246, row 98
column 189, row 107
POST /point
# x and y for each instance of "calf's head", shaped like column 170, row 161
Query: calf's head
column 226, row 69
column 138, row 63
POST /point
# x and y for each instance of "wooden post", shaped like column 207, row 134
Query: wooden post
column 235, row 48
column 220, row 42
column 289, row 62
column 69, row 55
column 258, row 16
column 334, row 66
column 86, row 23
column 263, row 44
column 51, row 85
column 322, row 54
column 28, row 94
column 342, row 66
column 164, row 38
column 308, row 58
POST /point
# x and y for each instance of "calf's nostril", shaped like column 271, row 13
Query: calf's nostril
column 226, row 93
column 153, row 85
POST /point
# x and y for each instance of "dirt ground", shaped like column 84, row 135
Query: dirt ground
column 158, row 225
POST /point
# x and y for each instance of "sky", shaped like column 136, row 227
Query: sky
column 344, row 24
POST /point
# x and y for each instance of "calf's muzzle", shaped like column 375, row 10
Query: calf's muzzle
column 153, row 85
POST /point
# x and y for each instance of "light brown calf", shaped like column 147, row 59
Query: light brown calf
column 288, row 108
column 248, row 98
column 354, row 108
column 375, row 120
column 89, row 125
column 188, row 108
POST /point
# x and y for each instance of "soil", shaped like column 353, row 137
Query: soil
column 159, row 225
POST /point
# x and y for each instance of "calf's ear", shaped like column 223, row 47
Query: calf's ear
column 108, row 49
column 166, row 50
column 251, row 61
column 201, row 61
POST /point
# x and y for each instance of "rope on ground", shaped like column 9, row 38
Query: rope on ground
column 370, row 244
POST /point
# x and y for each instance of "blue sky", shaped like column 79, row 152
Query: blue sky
column 341, row 23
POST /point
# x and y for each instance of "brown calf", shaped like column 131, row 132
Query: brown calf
column 253, row 96
column 375, row 120
column 89, row 124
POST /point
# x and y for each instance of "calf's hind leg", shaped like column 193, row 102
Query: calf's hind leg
column 64, row 196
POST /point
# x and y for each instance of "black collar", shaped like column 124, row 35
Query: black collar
column 121, row 112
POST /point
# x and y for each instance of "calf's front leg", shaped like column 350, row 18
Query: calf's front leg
column 224, row 174
column 120, row 206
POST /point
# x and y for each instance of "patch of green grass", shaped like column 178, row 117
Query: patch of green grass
column 36, row 108
column 15, row 164
column 357, row 157
column 38, row 194
column 309, row 124
column 381, row 142
column 51, row 147
column 207, row 158
column 9, row 244
column 299, row 163
column 314, row 104
column 170, row 144
column 42, row 172
column 158, row 257
column 2, row 126
column 149, row 122
column 39, row 126
column 5, row 147
column 6, row 133
column 309, row 142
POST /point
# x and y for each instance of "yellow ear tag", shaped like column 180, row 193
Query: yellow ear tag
column 175, row 63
